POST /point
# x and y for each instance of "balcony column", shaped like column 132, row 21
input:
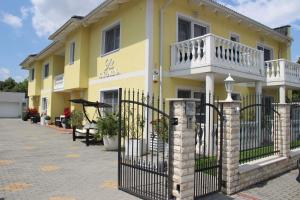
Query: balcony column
column 210, row 90
column 282, row 92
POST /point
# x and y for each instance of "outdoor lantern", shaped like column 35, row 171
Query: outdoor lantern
column 229, row 87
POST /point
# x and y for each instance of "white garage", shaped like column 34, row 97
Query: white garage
column 11, row 104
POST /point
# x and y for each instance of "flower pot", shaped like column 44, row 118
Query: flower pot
column 47, row 122
column 157, row 144
column 111, row 143
column 42, row 121
column 63, row 125
column 135, row 147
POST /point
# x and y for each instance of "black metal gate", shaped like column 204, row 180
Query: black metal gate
column 208, row 155
column 143, row 156
column 295, row 126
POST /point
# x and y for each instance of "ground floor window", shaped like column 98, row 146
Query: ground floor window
column 44, row 104
column 110, row 97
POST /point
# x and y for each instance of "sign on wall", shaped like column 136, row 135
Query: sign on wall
column 109, row 70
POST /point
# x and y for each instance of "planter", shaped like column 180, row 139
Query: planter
column 158, row 144
column 47, row 122
column 111, row 143
column 42, row 121
column 64, row 125
column 135, row 147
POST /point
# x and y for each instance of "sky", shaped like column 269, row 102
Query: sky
column 25, row 25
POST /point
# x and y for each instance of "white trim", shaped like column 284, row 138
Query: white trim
column 236, row 35
column 193, row 22
column 103, row 30
column 266, row 46
column 149, row 48
column 118, row 77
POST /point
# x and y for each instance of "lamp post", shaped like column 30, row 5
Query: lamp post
column 229, row 87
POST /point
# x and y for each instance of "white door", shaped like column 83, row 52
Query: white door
column 9, row 110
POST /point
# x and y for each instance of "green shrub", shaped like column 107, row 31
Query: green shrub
column 76, row 118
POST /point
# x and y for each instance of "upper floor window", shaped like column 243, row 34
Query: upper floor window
column 234, row 37
column 72, row 53
column 32, row 74
column 111, row 39
column 188, row 29
column 46, row 70
column 268, row 52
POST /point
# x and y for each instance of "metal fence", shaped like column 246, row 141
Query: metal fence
column 295, row 126
column 143, row 146
column 259, row 128
column 208, row 141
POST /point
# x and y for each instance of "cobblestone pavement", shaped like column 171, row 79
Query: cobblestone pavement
column 39, row 163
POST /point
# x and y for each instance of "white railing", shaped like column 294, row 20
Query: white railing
column 59, row 82
column 212, row 50
column 282, row 71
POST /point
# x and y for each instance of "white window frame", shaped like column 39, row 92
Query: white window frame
column 265, row 46
column 193, row 22
column 45, row 109
column 72, row 49
column 101, row 96
column 103, row 35
column 235, row 35
column 44, row 70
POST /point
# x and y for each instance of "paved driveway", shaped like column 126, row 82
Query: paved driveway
column 39, row 163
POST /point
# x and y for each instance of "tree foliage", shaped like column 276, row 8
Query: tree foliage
column 298, row 60
column 10, row 85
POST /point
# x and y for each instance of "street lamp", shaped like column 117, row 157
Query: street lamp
column 229, row 87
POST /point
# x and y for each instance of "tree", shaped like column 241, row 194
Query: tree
column 296, row 93
column 298, row 60
column 10, row 85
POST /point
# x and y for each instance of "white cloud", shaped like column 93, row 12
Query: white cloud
column 4, row 73
column 25, row 11
column 48, row 15
column 12, row 20
column 273, row 13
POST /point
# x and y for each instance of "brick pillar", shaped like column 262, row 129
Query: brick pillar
column 231, row 147
column 284, row 130
column 182, row 147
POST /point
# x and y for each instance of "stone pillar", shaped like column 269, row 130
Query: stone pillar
column 284, row 130
column 182, row 147
column 282, row 94
column 231, row 147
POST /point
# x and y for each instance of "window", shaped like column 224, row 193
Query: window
column 184, row 94
column 110, row 97
column 234, row 37
column 236, row 96
column 72, row 53
column 111, row 39
column 268, row 52
column 32, row 74
column 46, row 70
column 188, row 29
column 45, row 104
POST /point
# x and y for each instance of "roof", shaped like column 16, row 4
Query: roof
column 108, row 5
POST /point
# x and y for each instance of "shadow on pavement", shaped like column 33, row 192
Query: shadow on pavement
column 217, row 196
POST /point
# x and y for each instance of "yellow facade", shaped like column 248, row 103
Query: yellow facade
column 93, row 71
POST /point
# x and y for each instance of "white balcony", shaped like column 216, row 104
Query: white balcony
column 211, row 53
column 282, row 72
column 59, row 82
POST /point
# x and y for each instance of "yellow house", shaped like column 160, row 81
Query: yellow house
column 172, row 48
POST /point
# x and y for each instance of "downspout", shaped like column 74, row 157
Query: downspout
column 161, row 56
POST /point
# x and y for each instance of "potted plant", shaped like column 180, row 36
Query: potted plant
column 159, row 137
column 76, row 119
column 43, row 115
column 108, row 127
column 135, row 145
column 47, row 119
column 66, row 121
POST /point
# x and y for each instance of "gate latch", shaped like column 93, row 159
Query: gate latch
column 174, row 121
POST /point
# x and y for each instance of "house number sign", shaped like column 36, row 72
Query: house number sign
column 109, row 70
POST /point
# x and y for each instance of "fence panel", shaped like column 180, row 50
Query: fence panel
column 295, row 126
column 259, row 128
